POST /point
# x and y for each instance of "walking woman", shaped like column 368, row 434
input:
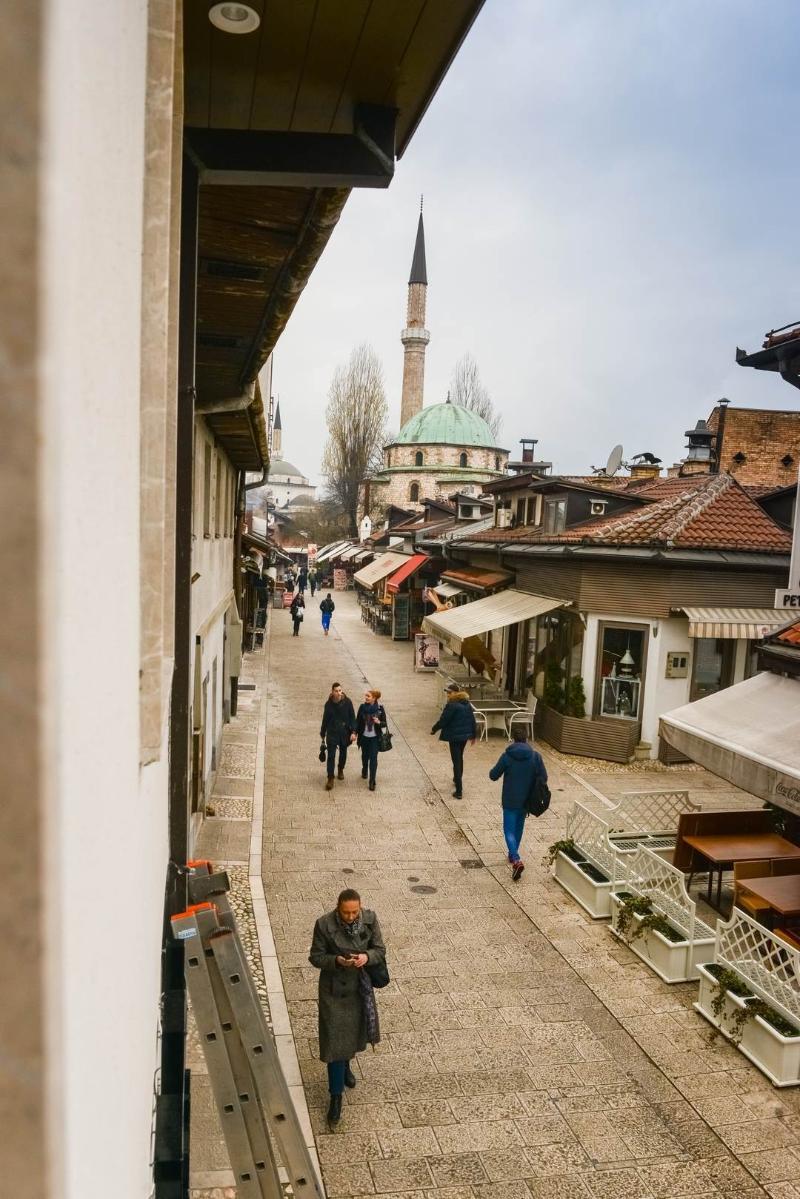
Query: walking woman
column 457, row 725
column 338, row 730
column 297, row 608
column 345, row 941
column 370, row 718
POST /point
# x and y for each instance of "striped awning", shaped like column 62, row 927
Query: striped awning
column 496, row 611
column 749, row 624
column 447, row 590
column 330, row 551
column 349, row 553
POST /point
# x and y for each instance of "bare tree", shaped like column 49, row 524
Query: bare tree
column 356, row 417
column 468, row 389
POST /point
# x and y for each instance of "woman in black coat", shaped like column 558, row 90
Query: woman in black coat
column 296, row 609
column 370, row 719
column 456, row 725
column 345, row 941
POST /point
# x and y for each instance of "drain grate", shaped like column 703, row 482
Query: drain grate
column 471, row 864
column 413, row 878
column 347, row 870
column 422, row 889
column 246, row 686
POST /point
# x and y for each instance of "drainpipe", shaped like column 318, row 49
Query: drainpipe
column 259, row 482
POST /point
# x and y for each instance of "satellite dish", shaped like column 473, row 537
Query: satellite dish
column 614, row 460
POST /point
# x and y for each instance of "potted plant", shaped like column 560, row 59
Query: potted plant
column 755, row 1027
column 580, row 878
column 674, row 956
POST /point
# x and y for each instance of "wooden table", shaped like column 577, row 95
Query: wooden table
column 721, row 851
column 780, row 891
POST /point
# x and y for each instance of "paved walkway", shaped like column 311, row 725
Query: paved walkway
column 525, row 1052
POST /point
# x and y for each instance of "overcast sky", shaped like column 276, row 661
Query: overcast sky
column 610, row 208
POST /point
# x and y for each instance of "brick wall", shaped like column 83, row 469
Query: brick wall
column 764, row 437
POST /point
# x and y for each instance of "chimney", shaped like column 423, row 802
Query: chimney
column 723, row 410
column 700, row 457
column 645, row 466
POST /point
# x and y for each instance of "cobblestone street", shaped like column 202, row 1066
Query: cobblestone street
column 525, row 1052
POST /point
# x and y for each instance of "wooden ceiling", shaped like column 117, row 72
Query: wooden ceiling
column 305, row 70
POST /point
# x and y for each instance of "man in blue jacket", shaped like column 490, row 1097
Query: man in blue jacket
column 519, row 766
column 457, row 725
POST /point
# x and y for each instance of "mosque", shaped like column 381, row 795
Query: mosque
column 441, row 448
column 287, row 486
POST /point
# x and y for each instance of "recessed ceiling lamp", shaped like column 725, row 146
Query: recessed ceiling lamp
column 234, row 18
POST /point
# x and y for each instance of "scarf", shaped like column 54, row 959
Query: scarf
column 371, row 713
column 351, row 929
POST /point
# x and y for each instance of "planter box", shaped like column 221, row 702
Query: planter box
column 593, row 897
column 775, row 1055
column 674, row 961
column 612, row 740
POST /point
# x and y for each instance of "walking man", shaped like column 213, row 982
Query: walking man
column 520, row 766
column 302, row 580
column 338, row 730
column 327, row 608
column 456, row 725
column 312, row 580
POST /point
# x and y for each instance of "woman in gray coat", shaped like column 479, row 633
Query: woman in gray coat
column 345, row 941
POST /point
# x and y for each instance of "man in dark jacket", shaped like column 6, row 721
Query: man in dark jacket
column 520, row 766
column 338, row 729
column 327, row 608
column 456, row 725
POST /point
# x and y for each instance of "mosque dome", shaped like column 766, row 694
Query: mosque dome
column 280, row 468
column 448, row 424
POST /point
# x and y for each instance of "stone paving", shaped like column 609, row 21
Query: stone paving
column 525, row 1051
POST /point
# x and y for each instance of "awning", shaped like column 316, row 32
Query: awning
column 384, row 564
column 362, row 554
column 331, row 551
column 748, row 734
column 406, row 571
column 478, row 580
column 447, row 590
column 492, row 612
column 349, row 553
column 746, row 623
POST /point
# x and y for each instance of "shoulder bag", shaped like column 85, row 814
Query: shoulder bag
column 538, row 800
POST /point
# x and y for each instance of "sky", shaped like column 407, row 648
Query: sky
column 610, row 209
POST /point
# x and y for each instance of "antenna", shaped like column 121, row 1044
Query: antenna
column 614, row 460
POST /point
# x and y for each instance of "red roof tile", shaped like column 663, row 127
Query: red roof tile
column 790, row 636
column 713, row 512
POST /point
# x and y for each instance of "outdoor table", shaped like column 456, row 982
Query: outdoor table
column 781, row 892
column 721, row 851
column 500, row 707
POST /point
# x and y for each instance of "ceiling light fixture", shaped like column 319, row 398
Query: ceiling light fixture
column 234, row 18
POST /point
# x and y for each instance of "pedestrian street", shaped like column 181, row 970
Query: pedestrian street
column 525, row 1052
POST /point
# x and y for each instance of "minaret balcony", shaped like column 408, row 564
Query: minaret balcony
column 411, row 335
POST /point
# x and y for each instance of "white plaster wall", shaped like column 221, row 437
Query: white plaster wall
column 107, row 832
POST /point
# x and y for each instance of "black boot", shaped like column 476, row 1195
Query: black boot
column 335, row 1110
column 349, row 1078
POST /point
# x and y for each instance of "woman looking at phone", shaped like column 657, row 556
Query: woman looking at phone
column 344, row 942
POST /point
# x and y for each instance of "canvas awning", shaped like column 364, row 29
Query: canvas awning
column 349, row 553
column 477, row 580
column 331, row 551
column 447, row 590
column 362, row 554
column 493, row 612
column 733, row 623
column 406, row 571
column 384, row 564
column 748, row 734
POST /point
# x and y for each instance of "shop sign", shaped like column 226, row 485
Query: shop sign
column 426, row 652
column 340, row 580
column 787, row 599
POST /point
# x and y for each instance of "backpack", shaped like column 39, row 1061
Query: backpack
column 538, row 800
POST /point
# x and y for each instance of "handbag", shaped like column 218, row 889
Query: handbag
column 323, row 751
column 378, row 975
column 538, row 800
column 384, row 745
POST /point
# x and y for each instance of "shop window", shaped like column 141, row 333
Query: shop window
column 554, row 654
column 207, row 491
column 555, row 515
column 413, row 493
column 713, row 665
column 418, row 458
column 622, row 651
column 462, row 459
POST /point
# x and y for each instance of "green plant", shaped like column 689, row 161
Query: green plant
column 553, row 693
column 567, row 847
column 640, row 905
column 727, row 981
column 575, row 698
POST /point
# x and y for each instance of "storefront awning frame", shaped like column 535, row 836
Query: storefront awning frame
column 492, row 612
column 376, row 572
column 749, row 624
column 408, row 569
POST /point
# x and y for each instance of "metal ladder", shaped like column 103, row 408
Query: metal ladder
column 262, row 1132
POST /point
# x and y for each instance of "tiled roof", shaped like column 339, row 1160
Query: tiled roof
column 713, row 513
column 790, row 636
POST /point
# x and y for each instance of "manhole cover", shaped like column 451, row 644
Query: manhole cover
column 347, row 870
column 246, row 687
column 471, row 864
column 423, row 890
column 413, row 878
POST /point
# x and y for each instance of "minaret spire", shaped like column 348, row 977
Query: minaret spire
column 415, row 336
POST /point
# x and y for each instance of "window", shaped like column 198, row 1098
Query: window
column 418, row 459
column 462, row 459
column 712, row 669
column 531, row 516
column 207, row 491
column 555, row 515
column 554, row 654
column 413, row 493
column 519, row 514
column 622, row 650
column 497, row 463
column 219, row 497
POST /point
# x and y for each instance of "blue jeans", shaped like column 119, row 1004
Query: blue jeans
column 513, row 828
column 336, row 1073
column 332, row 748
column 369, row 756
column 326, row 620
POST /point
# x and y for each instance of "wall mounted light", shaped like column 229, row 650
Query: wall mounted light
column 234, row 18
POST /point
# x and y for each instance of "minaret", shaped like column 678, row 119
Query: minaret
column 276, row 431
column 415, row 336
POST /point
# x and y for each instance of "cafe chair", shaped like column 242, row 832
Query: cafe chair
column 755, row 907
column 482, row 723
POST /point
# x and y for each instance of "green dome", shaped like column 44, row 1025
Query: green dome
column 445, row 423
